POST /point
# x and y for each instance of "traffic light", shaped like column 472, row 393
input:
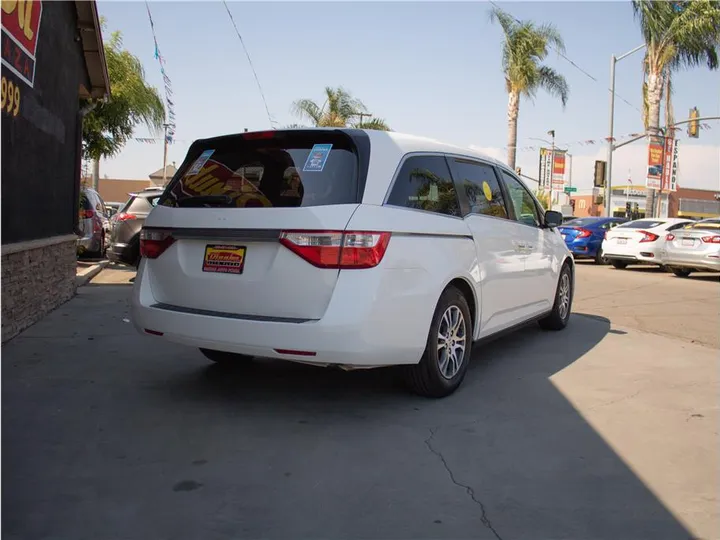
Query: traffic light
column 599, row 174
column 694, row 126
column 518, row 170
column 628, row 209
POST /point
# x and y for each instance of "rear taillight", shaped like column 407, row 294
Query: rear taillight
column 154, row 242
column 337, row 249
column 124, row 216
column 86, row 214
column 583, row 233
column 670, row 237
column 711, row 239
column 649, row 237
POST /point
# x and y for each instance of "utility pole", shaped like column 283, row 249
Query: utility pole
column 362, row 114
column 165, row 150
column 554, row 197
column 608, row 170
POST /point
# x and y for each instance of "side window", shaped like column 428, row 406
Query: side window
column 481, row 186
column 424, row 183
column 525, row 209
column 677, row 226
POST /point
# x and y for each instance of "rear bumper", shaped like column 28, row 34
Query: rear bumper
column 645, row 254
column 375, row 318
column 123, row 253
column 582, row 250
column 705, row 263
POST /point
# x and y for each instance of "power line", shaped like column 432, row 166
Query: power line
column 257, row 80
column 575, row 65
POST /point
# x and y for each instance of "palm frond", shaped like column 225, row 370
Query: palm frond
column 554, row 83
column 375, row 123
column 307, row 109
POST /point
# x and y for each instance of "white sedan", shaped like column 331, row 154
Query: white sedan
column 349, row 248
column 639, row 242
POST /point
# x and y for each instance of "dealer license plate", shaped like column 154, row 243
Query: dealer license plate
column 622, row 240
column 688, row 242
column 224, row 259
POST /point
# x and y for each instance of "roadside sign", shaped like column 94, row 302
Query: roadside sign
column 569, row 189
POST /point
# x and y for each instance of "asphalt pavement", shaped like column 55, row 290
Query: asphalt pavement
column 603, row 431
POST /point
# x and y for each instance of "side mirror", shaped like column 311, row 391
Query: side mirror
column 553, row 219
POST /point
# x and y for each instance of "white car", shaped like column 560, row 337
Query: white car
column 695, row 248
column 639, row 242
column 349, row 248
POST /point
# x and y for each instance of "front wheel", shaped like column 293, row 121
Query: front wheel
column 560, row 314
column 447, row 351
column 680, row 272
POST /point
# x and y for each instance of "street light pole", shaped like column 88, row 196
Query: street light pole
column 165, row 149
column 608, row 170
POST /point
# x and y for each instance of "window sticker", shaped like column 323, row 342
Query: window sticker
column 317, row 158
column 200, row 162
column 487, row 191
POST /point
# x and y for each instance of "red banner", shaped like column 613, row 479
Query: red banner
column 667, row 168
column 20, row 31
column 558, row 171
column 655, row 162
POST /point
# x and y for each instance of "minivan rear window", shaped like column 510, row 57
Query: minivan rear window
column 275, row 169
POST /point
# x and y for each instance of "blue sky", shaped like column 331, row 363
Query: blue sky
column 427, row 68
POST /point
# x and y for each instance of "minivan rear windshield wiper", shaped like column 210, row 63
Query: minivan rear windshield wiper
column 200, row 200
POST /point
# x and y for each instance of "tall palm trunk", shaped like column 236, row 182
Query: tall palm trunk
column 654, row 98
column 513, row 110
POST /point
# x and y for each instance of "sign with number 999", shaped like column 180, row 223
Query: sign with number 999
column 10, row 97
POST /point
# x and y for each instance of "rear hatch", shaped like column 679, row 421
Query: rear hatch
column 221, row 220
column 697, row 239
column 131, row 217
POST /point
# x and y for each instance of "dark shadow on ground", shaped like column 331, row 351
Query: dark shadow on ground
column 111, row 434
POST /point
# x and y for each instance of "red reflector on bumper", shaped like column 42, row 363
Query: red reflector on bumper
column 296, row 353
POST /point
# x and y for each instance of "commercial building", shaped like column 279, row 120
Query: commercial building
column 52, row 55
column 685, row 202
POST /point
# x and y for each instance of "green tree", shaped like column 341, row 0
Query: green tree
column 340, row 109
column 543, row 198
column 678, row 35
column 525, row 46
column 109, row 125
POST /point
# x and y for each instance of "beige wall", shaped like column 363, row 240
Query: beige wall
column 116, row 190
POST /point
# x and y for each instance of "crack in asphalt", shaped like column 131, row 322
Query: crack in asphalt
column 469, row 490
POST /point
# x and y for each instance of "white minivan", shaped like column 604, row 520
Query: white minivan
column 351, row 248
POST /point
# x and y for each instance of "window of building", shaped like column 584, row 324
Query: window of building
column 480, row 184
column 424, row 183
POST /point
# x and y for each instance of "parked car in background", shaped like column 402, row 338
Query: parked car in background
column 584, row 236
column 125, row 236
column 694, row 248
column 641, row 241
column 113, row 208
column 351, row 248
column 93, row 224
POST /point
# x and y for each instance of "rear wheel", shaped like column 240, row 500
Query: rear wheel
column 447, row 352
column 560, row 314
column 620, row 265
column 226, row 358
column 600, row 257
column 681, row 272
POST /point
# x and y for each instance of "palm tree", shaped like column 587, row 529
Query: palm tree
column 339, row 109
column 678, row 35
column 524, row 48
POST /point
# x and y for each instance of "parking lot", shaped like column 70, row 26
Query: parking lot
column 605, row 431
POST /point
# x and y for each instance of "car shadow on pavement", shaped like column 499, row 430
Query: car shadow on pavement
column 108, row 433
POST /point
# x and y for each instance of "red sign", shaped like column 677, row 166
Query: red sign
column 655, row 162
column 20, row 32
column 558, row 171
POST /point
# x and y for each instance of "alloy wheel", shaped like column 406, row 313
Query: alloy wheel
column 451, row 342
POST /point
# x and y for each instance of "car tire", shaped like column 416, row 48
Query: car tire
column 445, row 361
column 619, row 265
column 560, row 314
column 681, row 272
column 101, row 251
column 226, row 358
column 600, row 257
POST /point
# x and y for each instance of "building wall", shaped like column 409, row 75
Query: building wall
column 116, row 190
column 713, row 197
column 40, row 174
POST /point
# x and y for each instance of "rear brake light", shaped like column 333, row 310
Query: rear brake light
column 252, row 135
column 338, row 249
column 711, row 239
column 649, row 237
column 670, row 237
column 154, row 242
column 584, row 233
column 124, row 216
column 295, row 353
column 86, row 214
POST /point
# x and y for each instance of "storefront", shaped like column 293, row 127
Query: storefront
column 52, row 55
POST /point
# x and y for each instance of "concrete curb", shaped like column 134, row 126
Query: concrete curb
column 84, row 275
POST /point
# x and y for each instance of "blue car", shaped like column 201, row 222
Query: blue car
column 584, row 236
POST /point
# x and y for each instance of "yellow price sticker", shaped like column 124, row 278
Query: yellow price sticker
column 10, row 97
column 487, row 191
